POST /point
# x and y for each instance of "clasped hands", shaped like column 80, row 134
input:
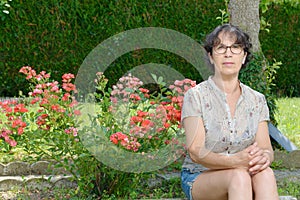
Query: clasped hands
column 255, row 158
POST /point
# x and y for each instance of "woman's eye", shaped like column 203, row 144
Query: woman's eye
column 236, row 46
column 221, row 47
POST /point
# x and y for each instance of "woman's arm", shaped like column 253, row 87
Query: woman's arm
column 263, row 155
column 195, row 140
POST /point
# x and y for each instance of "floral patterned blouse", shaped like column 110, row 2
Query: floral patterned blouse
column 224, row 134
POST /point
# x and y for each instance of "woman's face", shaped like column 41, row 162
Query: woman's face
column 227, row 57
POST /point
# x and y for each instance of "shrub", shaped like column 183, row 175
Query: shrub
column 50, row 124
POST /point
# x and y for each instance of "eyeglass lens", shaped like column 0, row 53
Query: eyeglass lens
column 235, row 49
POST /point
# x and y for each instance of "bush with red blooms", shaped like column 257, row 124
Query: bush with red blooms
column 136, row 120
column 47, row 114
column 45, row 124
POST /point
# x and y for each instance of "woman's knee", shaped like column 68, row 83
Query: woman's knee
column 240, row 178
column 266, row 175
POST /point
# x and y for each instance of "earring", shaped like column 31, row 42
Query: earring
column 244, row 59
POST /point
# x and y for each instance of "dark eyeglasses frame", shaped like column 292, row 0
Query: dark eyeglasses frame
column 230, row 47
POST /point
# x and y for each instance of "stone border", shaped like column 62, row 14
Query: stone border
column 24, row 168
column 38, row 182
column 289, row 160
column 39, row 175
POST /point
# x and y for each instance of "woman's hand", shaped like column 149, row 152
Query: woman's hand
column 260, row 159
column 254, row 158
column 243, row 158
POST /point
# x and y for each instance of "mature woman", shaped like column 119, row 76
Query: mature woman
column 225, row 121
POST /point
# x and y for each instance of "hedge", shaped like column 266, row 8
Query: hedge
column 56, row 36
column 283, row 44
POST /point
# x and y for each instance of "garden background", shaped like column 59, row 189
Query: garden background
column 56, row 36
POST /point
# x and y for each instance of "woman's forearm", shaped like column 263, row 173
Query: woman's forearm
column 217, row 161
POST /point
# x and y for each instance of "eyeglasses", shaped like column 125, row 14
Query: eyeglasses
column 235, row 49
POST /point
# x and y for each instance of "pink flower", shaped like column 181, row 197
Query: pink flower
column 69, row 87
column 37, row 91
column 33, row 101
column 143, row 90
column 77, row 112
column 178, row 83
column 72, row 130
column 66, row 78
column 12, row 143
column 65, row 97
column 55, row 107
column 119, row 137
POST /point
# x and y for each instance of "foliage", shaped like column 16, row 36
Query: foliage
column 4, row 8
column 282, row 43
column 260, row 75
column 57, row 35
column 224, row 18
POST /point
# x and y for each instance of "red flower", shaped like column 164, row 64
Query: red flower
column 67, row 77
column 119, row 136
column 147, row 123
column 167, row 125
column 66, row 97
column 20, row 108
column 141, row 113
column 69, row 87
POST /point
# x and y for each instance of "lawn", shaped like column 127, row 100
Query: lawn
column 288, row 118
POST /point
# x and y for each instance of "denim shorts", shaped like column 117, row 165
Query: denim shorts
column 187, row 180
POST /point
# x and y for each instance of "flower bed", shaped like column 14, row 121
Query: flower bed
column 46, row 124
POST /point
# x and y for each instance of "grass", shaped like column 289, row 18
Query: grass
column 288, row 118
column 286, row 188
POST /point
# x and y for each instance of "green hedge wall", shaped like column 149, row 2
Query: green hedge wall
column 283, row 44
column 56, row 36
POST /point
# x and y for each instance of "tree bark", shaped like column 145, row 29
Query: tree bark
column 245, row 14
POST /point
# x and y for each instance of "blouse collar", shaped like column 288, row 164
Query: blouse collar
column 213, row 85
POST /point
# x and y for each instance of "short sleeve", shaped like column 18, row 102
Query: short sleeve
column 191, row 104
column 264, row 113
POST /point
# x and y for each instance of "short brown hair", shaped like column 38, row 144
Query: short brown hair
column 242, row 38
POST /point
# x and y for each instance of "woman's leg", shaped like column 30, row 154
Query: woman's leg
column 264, row 185
column 232, row 184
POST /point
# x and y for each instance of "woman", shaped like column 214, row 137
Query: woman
column 225, row 121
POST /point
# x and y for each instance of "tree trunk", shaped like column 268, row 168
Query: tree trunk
column 245, row 14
